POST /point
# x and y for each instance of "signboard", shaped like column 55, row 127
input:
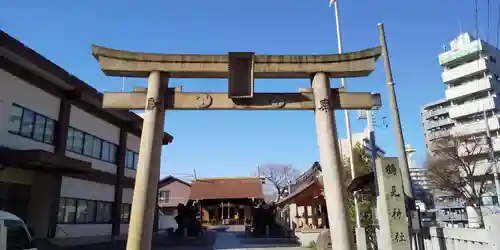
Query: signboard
column 473, row 47
column 393, row 223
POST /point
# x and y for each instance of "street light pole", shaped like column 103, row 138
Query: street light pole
column 347, row 117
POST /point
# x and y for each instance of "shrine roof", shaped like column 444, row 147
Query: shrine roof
column 226, row 188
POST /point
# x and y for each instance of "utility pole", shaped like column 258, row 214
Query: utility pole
column 491, row 153
column 398, row 132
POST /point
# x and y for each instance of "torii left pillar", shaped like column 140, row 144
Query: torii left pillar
column 148, row 169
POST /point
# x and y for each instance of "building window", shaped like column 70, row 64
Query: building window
column 81, row 211
column 29, row 124
column 103, row 212
column 96, row 150
column 105, row 151
column 131, row 159
column 164, row 196
column 88, row 147
column 84, row 143
column 125, row 214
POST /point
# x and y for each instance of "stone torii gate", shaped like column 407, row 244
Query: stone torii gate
column 241, row 68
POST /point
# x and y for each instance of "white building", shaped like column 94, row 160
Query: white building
column 68, row 165
column 471, row 75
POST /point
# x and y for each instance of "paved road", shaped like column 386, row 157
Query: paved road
column 222, row 238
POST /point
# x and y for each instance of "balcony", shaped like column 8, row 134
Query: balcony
column 464, row 70
column 438, row 134
column 447, row 203
column 437, row 123
column 450, row 56
column 470, row 88
column 430, row 113
column 472, row 107
column 476, row 127
column 448, row 216
column 481, row 168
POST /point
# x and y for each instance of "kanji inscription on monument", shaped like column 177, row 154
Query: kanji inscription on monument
column 392, row 210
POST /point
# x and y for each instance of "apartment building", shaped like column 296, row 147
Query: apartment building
column 436, row 121
column 67, row 165
column 471, row 75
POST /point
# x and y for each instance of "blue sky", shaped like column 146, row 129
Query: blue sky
column 233, row 143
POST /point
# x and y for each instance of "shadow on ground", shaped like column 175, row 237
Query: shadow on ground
column 160, row 241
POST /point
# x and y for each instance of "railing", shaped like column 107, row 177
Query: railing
column 465, row 238
column 469, row 88
column 426, row 113
column 437, row 123
column 473, row 107
column 475, row 127
column 464, row 70
column 438, row 134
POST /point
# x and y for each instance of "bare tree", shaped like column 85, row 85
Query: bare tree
column 456, row 167
column 279, row 176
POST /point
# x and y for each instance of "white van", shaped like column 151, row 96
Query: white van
column 14, row 234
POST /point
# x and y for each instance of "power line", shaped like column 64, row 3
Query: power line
column 477, row 21
column 488, row 23
column 498, row 24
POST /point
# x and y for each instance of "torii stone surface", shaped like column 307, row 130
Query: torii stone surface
column 158, row 97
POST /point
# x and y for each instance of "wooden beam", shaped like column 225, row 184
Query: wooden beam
column 261, row 101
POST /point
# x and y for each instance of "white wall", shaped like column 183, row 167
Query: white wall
column 76, row 188
column 133, row 142
column 15, row 90
column 128, row 194
column 82, row 230
column 93, row 125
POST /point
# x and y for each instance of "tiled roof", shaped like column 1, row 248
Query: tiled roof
column 169, row 179
column 226, row 188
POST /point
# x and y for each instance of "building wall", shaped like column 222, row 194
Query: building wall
column 178, row 193
column 43, row 187
column 19, row 92
column 15, row 90
column 88, row 123
column 82, row 189
column 128, row 194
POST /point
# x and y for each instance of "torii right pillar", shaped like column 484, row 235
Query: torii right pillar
column 331, row 164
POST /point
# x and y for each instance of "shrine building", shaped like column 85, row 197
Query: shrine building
column 227, row 200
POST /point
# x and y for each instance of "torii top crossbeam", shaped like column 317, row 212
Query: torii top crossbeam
column 136, row 64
